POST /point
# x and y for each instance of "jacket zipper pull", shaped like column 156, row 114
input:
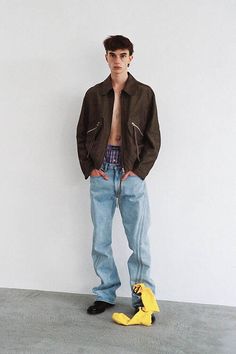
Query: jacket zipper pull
column 97, row 125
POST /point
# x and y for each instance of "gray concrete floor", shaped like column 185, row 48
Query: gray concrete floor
column 44, row 322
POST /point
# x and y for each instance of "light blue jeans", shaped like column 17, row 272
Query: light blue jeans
column 132, row 199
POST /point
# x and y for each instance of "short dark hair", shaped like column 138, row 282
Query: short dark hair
column 118, row 42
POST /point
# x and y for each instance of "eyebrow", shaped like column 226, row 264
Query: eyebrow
column 115, row 53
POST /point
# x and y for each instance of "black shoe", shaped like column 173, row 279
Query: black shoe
column 98, row 307
column 153, row 318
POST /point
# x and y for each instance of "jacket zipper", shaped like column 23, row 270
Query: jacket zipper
column 137, row 128
column 89, row 131
column 135, row 139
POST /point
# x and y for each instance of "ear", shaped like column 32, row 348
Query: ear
column 131, row 57
column 106, row 56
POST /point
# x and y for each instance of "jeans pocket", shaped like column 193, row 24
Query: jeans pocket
column 136, row 177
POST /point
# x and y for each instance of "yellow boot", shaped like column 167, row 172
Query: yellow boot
column 144, row 315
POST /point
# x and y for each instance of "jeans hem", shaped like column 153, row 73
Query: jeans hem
column 99, row 298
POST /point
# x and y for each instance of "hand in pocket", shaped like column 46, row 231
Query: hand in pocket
column 99, row 173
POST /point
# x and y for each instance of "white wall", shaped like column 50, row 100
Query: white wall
column 51, row 52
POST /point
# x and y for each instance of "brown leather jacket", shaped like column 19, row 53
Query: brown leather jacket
column 139, row 126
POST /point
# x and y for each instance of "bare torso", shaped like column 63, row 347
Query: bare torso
column 115, row 133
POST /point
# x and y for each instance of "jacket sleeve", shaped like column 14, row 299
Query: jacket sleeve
column 152, row 142
column 85, row 162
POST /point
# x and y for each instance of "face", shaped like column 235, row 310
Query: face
column 118, row 60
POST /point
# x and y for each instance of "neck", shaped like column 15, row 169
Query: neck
column 118, row 80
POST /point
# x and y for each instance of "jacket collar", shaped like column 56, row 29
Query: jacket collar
column 130, row 87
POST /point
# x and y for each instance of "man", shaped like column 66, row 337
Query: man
column 118, row 140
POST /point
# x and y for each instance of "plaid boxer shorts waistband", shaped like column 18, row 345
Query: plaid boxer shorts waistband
column 113, row 154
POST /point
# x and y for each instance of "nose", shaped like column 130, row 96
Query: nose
column 117, row 60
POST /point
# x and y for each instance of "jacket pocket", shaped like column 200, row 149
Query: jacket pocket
column 91, row 135
column 138, row 135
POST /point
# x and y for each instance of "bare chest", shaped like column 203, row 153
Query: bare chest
column 115, row 133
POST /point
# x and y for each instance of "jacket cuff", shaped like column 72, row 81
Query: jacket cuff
column 140, row 173
column 87, row 175
column 87, row 168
